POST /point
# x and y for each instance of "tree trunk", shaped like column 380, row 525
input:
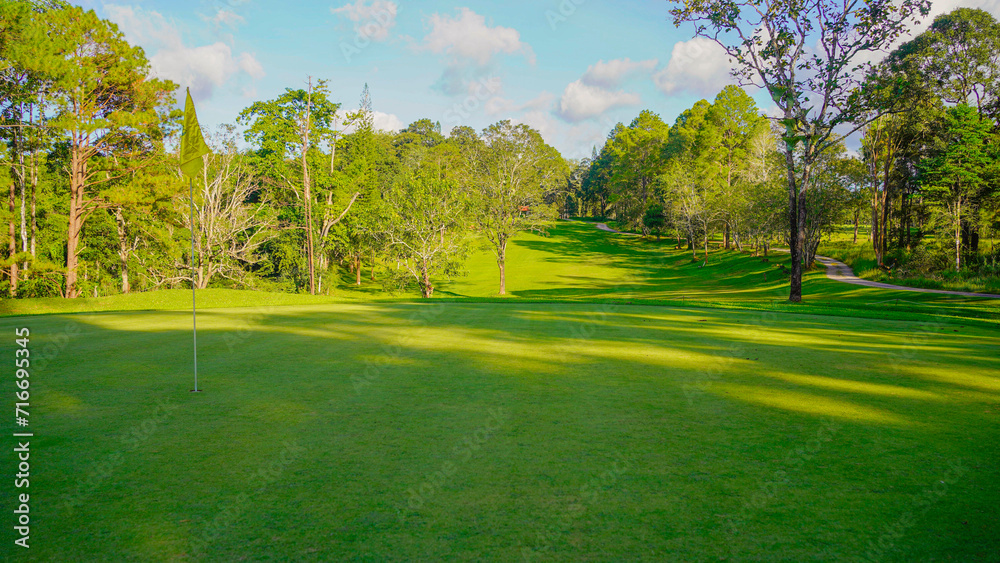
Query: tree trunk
column 727, row 236
column 307, row 196
column 794, row 236
column 958, row 235
column 357, row 270
column 12, row 242
column 428, row 289
column 502, row 263
column 34, row 213
column 703, row 264
column 78, row 170
column 122, row 248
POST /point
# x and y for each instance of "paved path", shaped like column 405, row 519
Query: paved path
column 604, row 227
column 837, row 270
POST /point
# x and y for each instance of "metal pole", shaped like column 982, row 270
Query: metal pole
column 194, row 300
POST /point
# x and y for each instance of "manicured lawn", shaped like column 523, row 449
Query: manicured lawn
column 487, row 431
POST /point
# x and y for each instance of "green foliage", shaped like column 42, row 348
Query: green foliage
column 957, row 172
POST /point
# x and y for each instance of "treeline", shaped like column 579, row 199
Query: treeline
column 923, row 187
column 96, row 204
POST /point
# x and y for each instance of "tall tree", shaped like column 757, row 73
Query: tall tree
column 738, row 121
column 636, row 152
column 110, row 110
column 295, row 123
column 427, row 216
column 807, row 54
column 960, row 169
column 509, row 173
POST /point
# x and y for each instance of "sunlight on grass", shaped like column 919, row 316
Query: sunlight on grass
column 63, row 403
column 963, row 378
column 853, row 386
column 810, row 404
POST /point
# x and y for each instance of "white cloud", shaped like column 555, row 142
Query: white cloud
column 470, row 46
column 382, row 121
column 373, row 21
column 610, row 74
column 581, row 101
column 227, row 18
column 498, row 105
column 699, row 66
column 387, row 122
column 468, row 37
column 202, row 68
column 543, row 122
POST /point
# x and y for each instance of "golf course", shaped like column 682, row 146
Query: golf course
column 623, row 402
column 388, row 281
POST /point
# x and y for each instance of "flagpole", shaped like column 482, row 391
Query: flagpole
column 192, row 152
column 194, row 299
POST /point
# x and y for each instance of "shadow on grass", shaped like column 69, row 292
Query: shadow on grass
column 379, row 397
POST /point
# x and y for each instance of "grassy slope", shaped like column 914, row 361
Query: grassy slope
column 577, row 262
column 631, row 432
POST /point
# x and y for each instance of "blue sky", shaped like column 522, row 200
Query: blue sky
column 569, row 68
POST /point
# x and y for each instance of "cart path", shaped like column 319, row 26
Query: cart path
column 837, row 270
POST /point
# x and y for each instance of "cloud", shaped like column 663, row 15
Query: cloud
column 610, row 74
column 541, row 121
column 387, row 122
column 498, row 105
column 203, row 68
column 382, row 121
column 468, row 37
column 471, row 47
column 373, row 21
column 227, row 18
column 581, row 101
column 698, row 66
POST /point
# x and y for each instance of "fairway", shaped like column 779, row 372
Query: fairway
column 394, row 431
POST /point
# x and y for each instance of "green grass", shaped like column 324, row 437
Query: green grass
column 576, row 262
column 622, row 403
column 163, row 300
column 627, row 433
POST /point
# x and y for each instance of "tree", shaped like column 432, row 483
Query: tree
column 366, row 167
column 807, row 55
column 296, row 122
column 957, row 60
column 654, row 220
column 738, row 121
column 828, row 197
column 426, row 224
column 509, row 174
column 232, row 226
column 959, row 170
column 637, row 155
column 107, row 106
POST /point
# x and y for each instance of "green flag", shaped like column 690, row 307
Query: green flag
column 193, row 145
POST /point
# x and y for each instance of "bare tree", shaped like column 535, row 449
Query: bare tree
column 231, row 225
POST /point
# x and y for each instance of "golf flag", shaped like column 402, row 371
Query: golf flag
column 193, row 145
